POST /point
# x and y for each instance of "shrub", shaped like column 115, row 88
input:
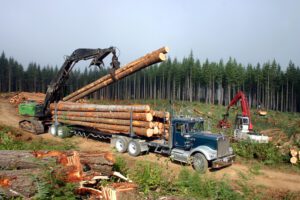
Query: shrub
column 120, row 166
column 148, row 176
column 268, row 153
column 198, row 187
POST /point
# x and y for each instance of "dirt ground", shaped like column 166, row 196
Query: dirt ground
column 270, row 178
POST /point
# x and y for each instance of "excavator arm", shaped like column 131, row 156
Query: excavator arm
column 240, row 96
column 53, row 91
column 244, row 103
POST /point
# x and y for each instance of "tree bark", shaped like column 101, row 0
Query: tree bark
column 67, row 106
column 112, row 115
column 119, row 128
column 135, row 123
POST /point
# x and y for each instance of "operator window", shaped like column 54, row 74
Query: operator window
column 179, row 127
column 245, row 121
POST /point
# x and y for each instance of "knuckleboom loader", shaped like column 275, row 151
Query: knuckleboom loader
column 243, row 127
column 38, row 116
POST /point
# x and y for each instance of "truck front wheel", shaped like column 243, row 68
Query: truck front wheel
column 134, row 148
column 200, row 163
column 121, row 145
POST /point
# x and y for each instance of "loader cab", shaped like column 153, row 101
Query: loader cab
column 242, row 123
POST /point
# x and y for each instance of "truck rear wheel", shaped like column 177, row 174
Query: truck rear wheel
column 121, row 144
column 200, row 163
column 134, row 148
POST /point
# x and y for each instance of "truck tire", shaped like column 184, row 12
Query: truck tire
column 200, row 163
column 121, row 144
column 134, row 148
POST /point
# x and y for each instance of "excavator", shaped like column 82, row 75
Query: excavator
column 38, row 116
column 243, row 128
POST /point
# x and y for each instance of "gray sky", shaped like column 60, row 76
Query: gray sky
column 250, row 31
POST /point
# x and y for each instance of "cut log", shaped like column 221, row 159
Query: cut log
column 148, row 59
column 27, row 96
column 152, row 59
column 19, row 183
column 293, row 152
column 100, row 108
column 122, row 129
column 135, row 123
column 161, row 114
column 112, row 115
column 293, row 160
column 23, row 169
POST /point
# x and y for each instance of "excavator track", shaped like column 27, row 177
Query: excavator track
column 33, row 126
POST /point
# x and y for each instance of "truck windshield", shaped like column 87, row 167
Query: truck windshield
column 195, row 127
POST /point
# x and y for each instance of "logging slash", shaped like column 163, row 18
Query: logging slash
column 21, row 172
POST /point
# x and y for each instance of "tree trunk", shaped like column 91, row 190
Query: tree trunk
column 287, row 96
column 9, row 78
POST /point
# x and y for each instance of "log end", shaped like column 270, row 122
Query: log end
column 162, row 57
column 293, row 160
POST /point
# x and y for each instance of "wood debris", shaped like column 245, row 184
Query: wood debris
column 87, row 169
column 27, row 96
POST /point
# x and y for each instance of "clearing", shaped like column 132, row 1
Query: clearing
column 274, row 179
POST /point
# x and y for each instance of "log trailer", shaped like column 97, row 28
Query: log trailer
column 243, row 128
column 38, row 115
column 187, row 142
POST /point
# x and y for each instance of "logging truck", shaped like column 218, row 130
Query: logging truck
column 129, row 130
column 187, row 142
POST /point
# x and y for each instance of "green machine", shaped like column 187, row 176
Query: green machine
column 31, row 109
column 37, row 117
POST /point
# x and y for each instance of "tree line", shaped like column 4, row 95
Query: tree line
column 265, row 84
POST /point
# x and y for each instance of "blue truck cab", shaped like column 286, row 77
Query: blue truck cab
column 192, row 145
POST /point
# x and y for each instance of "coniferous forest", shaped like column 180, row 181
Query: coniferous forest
column 267, row 84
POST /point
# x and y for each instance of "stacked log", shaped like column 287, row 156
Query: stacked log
column 114, row 119
column 132, row 67
column 27, row 96
column 295, row 155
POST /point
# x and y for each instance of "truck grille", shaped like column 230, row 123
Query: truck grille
column 223, row 146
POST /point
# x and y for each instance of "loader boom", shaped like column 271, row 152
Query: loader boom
column 53, row 91
column 240, row 96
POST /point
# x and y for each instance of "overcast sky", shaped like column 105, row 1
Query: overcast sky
column 251, row 31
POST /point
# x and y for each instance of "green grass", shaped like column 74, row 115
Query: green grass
column 154, row 181
column 267, row 153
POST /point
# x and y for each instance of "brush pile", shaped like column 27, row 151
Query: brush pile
column 113, row 119
column 27, row 96
column 24, row 173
